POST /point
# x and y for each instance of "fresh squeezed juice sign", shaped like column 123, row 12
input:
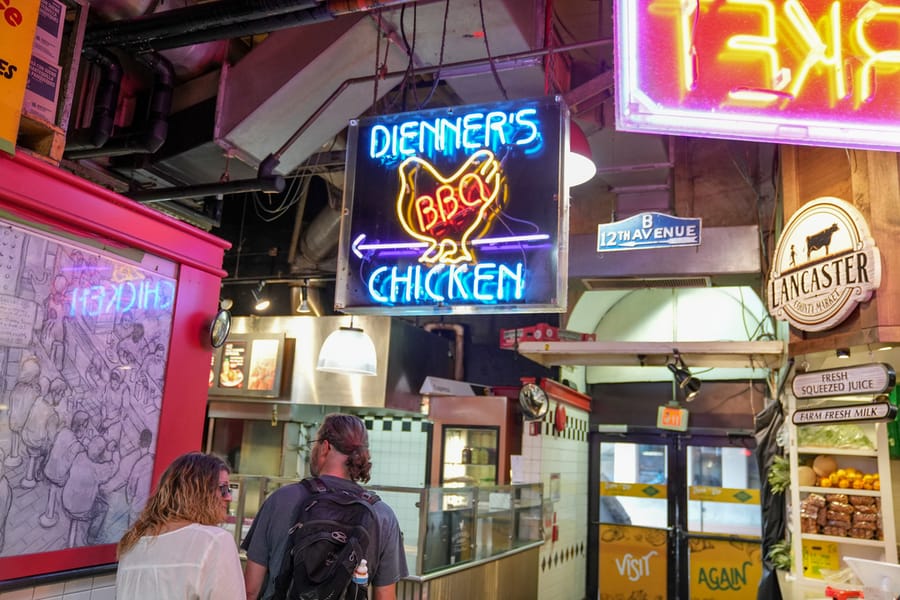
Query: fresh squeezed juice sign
column 455, row 209
column 632, row 562
column 817, row 72
column 18, row 22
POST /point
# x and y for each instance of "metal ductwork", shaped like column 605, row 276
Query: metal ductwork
column 103, row 115
column 728, row 256
column 143, row 138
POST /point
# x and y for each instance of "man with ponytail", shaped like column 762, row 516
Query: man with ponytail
column 339, row 457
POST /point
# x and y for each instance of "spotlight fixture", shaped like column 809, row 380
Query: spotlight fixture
column 303, row 306
column 579, row 165
column 689, row 384
column 261, row 301
column 842, row 352
column 348, row 350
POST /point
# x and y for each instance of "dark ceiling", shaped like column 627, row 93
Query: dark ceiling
column 245, row 76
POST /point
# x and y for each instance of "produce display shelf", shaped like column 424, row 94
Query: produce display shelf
column 837, row 451
column 833, row 490
column 838, row 539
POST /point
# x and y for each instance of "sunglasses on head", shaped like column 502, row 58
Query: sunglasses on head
column 225, row 489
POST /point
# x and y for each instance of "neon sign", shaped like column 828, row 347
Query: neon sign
column 115, row 298
column 455, row 210
column 788, row 71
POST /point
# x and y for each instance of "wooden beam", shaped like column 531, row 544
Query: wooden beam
column 760, row 355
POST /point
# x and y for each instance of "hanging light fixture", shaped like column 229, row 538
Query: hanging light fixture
column 261, row 301
column 689, row 384
column 580, row 165
column 348, row 350
column 303, row 306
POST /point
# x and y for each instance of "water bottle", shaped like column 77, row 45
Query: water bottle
column 361, row 574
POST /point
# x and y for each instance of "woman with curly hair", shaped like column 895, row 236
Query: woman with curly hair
column 175, row 549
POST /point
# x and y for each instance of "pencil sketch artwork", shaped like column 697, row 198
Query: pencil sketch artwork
column 84, row 337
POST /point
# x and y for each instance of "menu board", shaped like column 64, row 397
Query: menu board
column 248, row 365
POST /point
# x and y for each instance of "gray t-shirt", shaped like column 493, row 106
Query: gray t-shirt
column 266, row 542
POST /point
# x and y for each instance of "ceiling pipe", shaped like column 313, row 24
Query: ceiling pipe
column 189, row 18
column 458, row 332
column 162, row 32
column 266, row 181
column 103, row 116
column 149, row 137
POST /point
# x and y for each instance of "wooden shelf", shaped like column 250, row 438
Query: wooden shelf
column 815, row 489
column 842, row 540
column 761, row 355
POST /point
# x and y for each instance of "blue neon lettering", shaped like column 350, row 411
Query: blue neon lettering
column 428, row 287
column 485, row 279
column 494, row 122
column 456, row 282
column 442, row 135
column 409, row 131
column 373, row 291
column 486, row 283
column 522, row 119
column 397, row 279
column 517, row 278
column 117, row 298
column 472, row 136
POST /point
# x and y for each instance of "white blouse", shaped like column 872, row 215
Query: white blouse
column 196, row 562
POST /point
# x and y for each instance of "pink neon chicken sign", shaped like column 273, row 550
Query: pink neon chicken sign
column 805, row 72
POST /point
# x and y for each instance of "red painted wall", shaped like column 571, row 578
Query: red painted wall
column 45, row 195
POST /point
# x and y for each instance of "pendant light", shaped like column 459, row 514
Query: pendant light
column 579, row 166
column 303, row 306
column 348, row 350
column 260, row 301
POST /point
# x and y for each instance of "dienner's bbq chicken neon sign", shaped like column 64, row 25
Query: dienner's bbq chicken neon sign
column 455, row 210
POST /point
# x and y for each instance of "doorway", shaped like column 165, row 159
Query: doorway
column 674, row 515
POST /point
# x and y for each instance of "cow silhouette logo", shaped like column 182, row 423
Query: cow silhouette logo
column 447, row 212
column 825, row 264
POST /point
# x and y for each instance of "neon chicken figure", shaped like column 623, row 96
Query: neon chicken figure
column 446, row 212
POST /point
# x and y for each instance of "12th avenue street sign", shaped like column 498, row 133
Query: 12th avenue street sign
column 874, row 411
column 874, row 378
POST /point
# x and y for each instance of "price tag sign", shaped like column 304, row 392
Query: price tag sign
column 18, row 22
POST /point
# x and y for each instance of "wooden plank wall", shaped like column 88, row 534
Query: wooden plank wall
column 870, row 181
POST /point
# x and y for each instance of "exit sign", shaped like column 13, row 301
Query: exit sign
column 671, row 417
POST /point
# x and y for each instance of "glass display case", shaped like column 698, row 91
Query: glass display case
column 469, row 456
column 477, row 523
column 443, row 527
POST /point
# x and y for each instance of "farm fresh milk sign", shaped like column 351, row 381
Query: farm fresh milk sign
column 825, row 264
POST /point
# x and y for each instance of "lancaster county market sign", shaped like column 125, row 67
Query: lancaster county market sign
column 825, row 264
column 456, row 210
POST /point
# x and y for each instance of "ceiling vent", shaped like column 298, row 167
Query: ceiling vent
column 634, row 283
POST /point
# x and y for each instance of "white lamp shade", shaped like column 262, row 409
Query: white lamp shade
column 348, row 350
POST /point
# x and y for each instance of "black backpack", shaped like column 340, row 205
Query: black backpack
column 332, row 532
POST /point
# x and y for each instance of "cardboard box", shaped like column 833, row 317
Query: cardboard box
column 541, row 332
column 42, row 90
column 48, row 36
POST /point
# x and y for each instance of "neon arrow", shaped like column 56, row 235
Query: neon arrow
column 358, row 245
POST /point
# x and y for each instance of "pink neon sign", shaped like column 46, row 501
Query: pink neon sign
column 810, row 72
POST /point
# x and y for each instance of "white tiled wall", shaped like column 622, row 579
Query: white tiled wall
column 87, row 588
column 563, row 565
column 400, row 451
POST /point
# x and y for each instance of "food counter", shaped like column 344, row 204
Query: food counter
column 456, row 538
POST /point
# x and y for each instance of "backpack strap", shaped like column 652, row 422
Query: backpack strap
column 284, row 577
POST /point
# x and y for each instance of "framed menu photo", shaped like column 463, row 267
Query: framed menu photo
column 249, row 365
